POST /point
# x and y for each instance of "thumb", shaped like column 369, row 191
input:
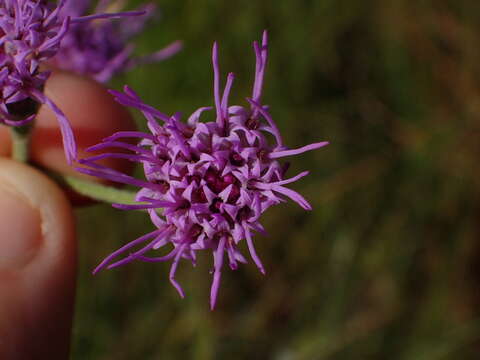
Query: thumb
column 37, row 265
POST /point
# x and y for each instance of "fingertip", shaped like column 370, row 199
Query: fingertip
column 37, row 266
column 40, row 193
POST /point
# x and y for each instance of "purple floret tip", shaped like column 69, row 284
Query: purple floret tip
column 207, row 182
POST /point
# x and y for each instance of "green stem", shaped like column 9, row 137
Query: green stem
column 98, row 191
column 20, row 143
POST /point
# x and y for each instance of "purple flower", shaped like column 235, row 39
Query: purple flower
column 102, row 50
column 207, row 183
column 30, row 33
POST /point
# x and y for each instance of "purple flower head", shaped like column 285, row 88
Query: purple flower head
column 207, row 183
column 30, row 33
column 102, row 49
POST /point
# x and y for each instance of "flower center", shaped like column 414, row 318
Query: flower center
column 215, row 207
column 164, row 186
column 236, row 159
column 20, row 110
column 244, row 213
column 10, row 48
column 252, row 124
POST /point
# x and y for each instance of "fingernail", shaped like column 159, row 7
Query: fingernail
column 20, row 229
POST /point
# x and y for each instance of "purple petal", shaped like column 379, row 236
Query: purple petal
column 269, row 119
column 162, row 54
column 118, row 15
column 284, row 153
column 218, row 263
column 69, row 144
column 126, row 247
column 173, row 270
column 226, row 94
column 253, row 252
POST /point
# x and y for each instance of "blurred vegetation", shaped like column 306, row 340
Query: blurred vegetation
column 387, row 265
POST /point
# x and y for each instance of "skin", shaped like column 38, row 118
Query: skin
column 37, row 231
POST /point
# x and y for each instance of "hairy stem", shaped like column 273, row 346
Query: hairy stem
column 21, row 143
column 98, row 191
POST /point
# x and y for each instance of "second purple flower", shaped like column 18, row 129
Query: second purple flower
column 104, row 49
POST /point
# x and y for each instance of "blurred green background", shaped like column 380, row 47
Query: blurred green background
column 387, row 265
